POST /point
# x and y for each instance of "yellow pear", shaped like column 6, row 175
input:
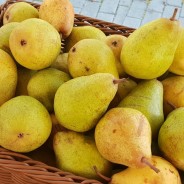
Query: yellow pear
column 25, row 124
column 35, row 44
column 149, row 51
column 80, row 102
column 89, row 56
column 5, row 31
column 116, row 42
column 177, row 66
column 44, row 84
column 173, row 95
column 8, row 77
column 77, row 153
column 123, row 136
column 19, row 11
column 168, row 174
column 83, row 32
column 59, row 13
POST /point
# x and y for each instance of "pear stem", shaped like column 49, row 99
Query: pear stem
column 174, row 14
column 145, row 161
column 101, row 175
column 118, row 81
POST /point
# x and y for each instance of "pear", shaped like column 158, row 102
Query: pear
column 44, row 84
column 147, row 97
column 149, row 51
column 116, row 42
column 168, row 174
column 24, row 76
column 19, row 11
column 177, row 66
column 90, row 56
column 31, row 41
column 77, row 153
column 5, row 31
column 80, row 102
column 171, row 138
column 25, row 124
column 59, row 13
column 173, row 93
column 8, row 77
column 123, row 136
column 83, row 32
column 61, row 62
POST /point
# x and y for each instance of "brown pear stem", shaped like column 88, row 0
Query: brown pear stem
column 172, row 105
column 118, row 81
column 145, row 161
column 101, row 175
column 174, row 14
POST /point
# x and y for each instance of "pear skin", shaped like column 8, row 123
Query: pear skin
column 80, row 102
column 77, row 153
column 90, row 56
column 147, row 97
column 19, row 11
column 83, row 32
column 149, row 51
column 123, row 136
column 168, row 174
column 59, row 13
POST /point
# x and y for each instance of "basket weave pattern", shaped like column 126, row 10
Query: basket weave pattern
column 16, row 168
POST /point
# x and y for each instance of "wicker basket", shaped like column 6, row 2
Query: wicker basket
column 17, row 168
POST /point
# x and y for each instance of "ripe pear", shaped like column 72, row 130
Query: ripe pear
column 177, row 66
column 5, row 31
column 19, row 11
column 24, row 76
column 147, row 97
column 61, row 62
column 35, row 44
column 59, row 13
column 123, row 136
column 80, row 102
column 90, row 56
column 168, row 174
column 149, row 51
column 25, row 124
column 83, row 32
column 44, row 84
column 77, row 153
column 116, row 42
column 173, row 93
column 171, row 138
column 8, row 77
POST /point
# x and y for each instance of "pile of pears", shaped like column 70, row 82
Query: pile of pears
column 104, row 107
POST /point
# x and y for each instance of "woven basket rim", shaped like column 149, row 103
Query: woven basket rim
column 20, row 168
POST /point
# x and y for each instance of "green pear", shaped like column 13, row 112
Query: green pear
column 147, row 97
column 44, row 84
column 123, row 136
column 168, row 174
column 77, row 153
column 35, row 44
column 171, row 138
column 19, row 11
column 83, row 32
column 61, row 62
column 80, row 102
column 5, row 32
column 149, row 51
column 116, row 42
column 177, row 66
column 173, row 93
column 90, row 56
column 25, row 124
